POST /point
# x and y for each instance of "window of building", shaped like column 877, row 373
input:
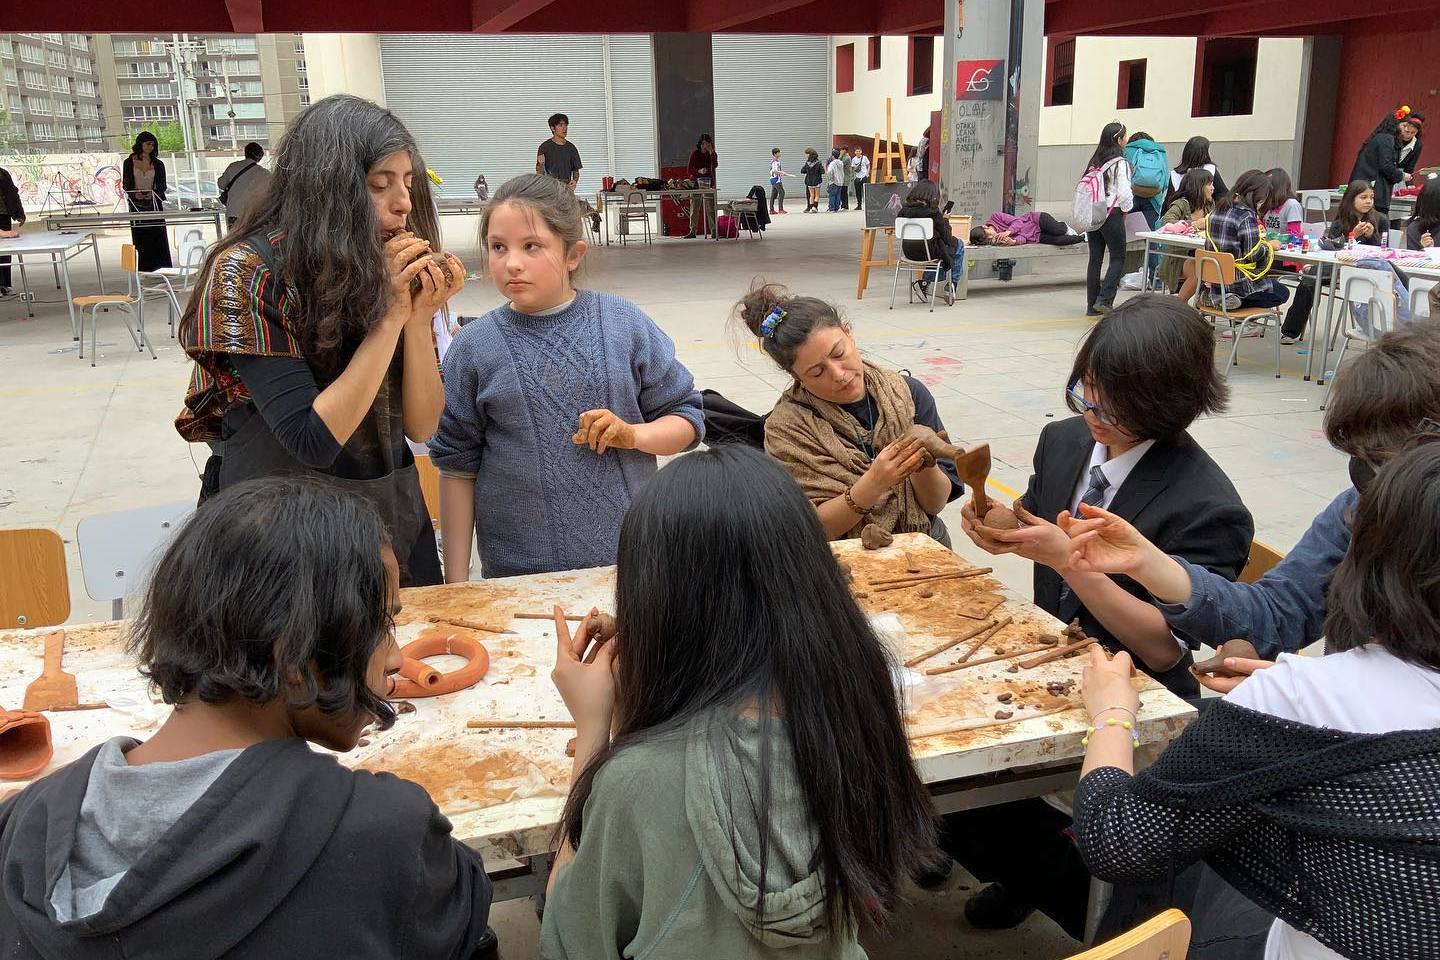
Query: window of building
column 872, row 53
column 304, row 98
column 79, row 41
column 1225, row 77
column 10, row 76
column 1131, row 90
column 147, row 91
column 60, row 84
column 7, row 47
column 86, row 88
column 16, row 106
column 42, row 131
column 149, row 69
column 300, row 66
column 34, row 79
column 64, row 108
column 1060, row 73
column 54, row 37
column 163, row 112
column 137, row 48
column 845, row 68
column 82, row 64
column 89, row 111
column 57, row 59
column 921, row 72
column 40, row 105
column 31, row 53
column 90, row 133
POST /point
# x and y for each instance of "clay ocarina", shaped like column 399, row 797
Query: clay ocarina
column 25, row 747
column 1215, row 666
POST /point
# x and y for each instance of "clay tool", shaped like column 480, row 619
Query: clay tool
column 980, row 640
column 926, row 581
column 910, row 563
column 981, row 724
column 917, row 577
column 469, row 624
column 61, row 708
column 979, row 608
column 1055, row 653
column 54, row 687
column 933, row 671
column 941, row 648
column 520, row 724
column 544, row 616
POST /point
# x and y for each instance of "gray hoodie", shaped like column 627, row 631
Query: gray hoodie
column 669, row 863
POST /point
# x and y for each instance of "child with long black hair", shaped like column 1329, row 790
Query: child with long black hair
column 1423, row 227
column 1192, row 203
column 268, row 626
column 1356, row 219
column 1109, row 237
column 743, row 786
column 1235, row 228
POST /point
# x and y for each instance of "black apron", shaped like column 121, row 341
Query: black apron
column 375, row 464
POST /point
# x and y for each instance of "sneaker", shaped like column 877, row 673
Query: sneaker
column 1099, row 309
column 921, row 288
column 996, row 908
column 935, row 877
column 779, row 212
column 1285, row 340
column 1252, row 330
column 948, row 292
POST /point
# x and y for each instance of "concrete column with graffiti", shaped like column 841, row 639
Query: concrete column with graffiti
column 990, row 107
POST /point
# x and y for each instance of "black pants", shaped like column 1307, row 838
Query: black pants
column 844, row 197
column 1056, row 234
column 1298, row 316
column 4, row 261
column 860, row 191
column 1110, row 237
column 777, row 197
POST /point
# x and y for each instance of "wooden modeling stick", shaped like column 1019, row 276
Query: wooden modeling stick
column 1056, row 653
column 520, row 724
column 469, row 624
column 927, row 580
column 54, row 687
column 543, row 616
column 981, row 724
column 951, row 668
column 910, row 564
column 953, row 641
column 987, row 635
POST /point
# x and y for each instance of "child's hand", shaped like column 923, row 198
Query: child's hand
column 586, row 686
column 601, row 430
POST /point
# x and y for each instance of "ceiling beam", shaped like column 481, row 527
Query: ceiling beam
column 710, row 16
column 497, row 16
column 246, row 16
column 1275, row 18
column 901, row 17
column 1085, row 17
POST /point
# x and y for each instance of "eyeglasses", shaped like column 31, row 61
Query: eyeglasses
column 1080, row 405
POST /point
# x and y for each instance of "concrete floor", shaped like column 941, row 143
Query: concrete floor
column 81, row 440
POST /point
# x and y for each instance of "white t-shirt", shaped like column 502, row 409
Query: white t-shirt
column 1365, row 690
column 774, row 171
column 861, row 165
column 1175, row 178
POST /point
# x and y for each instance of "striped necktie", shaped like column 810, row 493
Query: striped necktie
column 1095, row 496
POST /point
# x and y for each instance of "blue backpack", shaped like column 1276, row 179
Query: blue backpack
column 1150, row 173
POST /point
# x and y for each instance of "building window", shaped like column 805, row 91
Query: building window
column 82, row 64
column 304, row 99
column 163, row 113
column 79, row 41
column 42, row 131
column 7, row 47
column 60, row 84
column 54, row 37
column 34, row 79
column 147, row 91
column 65, row 108
column 31, row 53
column 872, row 47
column 40, row 105
column 1131, row 92
column 1060, row 73
column 845, row 68
column 921, row 73
column 86, row 88
column 10, row 76
column 1225, row 77
column 149, row 69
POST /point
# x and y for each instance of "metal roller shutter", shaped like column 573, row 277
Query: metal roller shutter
column 478, row 104
column 770, row 91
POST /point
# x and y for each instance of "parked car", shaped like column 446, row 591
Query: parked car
column 182, row 196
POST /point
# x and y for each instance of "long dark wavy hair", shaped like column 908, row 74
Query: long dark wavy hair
column 729, row 598
column 318, row 198
column 1109, row 146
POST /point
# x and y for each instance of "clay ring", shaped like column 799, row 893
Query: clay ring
column 415, row 682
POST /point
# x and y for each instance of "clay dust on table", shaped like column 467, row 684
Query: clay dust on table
column 460, row 778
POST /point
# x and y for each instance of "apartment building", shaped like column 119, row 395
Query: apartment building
column 50, row 88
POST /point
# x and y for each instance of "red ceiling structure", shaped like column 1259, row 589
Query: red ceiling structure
column 1384, row 56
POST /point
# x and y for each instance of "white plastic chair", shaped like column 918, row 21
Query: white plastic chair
column 170, row 282
column 1317, row 201
column 907, row 228
column 1397, row 239
column 131, row 302
column 118, row 550
column 1375, row 289
column 1420, row 297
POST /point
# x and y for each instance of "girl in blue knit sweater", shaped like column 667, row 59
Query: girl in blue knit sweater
column 556, row 404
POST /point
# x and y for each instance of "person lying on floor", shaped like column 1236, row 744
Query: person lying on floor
column 1382, row 399
column 840, row 428
column 1314, row 787
column 1013, row 230
column 268, row 626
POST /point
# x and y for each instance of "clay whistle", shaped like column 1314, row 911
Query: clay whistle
column 25, row 747
column 433, row 644
column 1215, row 666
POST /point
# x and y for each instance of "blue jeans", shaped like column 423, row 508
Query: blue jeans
column 834, row 197
column 956, row 269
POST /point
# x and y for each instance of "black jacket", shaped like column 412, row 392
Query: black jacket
column 944, row 246
column 127, row 177
column 814, row 172
column 288, row 854
column 11, row 210
column 1378, row 163
column 1176, row 496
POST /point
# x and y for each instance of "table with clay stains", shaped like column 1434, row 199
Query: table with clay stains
column 503, row 789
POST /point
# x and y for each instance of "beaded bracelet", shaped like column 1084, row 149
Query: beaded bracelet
column 850, row 501
column 1112, row 722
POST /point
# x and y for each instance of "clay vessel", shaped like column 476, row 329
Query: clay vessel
column 25, row 747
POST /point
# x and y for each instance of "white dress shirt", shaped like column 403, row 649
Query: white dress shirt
column 1116, row 469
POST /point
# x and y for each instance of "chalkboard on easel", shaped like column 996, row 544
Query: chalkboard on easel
column 883, row 202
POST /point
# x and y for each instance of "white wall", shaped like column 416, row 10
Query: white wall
column 1169, row 88
column 862, row 111
column 344, row 63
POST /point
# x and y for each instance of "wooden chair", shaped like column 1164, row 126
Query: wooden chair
column 34, row 585
column 131, row 302
column 1262, row 558
column 1218, row 270
column 1165, row 937
column 429, row 487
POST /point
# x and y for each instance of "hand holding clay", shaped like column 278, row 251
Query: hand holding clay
column 896, row 462
column 443, row 276
column 405, row 257
column 587, row 687
column 981, row 535
column 1107, row 684
column 601, row 430
column 1230, row 650
column 1037, row 540
column 1102, row 542
column 1236, row 670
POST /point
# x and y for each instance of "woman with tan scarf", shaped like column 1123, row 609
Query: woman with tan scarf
column 839, row 429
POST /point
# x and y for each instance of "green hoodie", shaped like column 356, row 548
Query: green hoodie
column 669, row 863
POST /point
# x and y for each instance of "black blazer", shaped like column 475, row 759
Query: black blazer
column 1378, row 162
column 1176, row 496
column 11, row 210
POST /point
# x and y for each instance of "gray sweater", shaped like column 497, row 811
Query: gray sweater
column 515, row 386
column 1284, row 610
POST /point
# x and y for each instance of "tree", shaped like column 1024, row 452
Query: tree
column 170, row 137
column 12, row 135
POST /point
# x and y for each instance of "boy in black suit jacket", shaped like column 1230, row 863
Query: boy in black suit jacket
column 1142, row 376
